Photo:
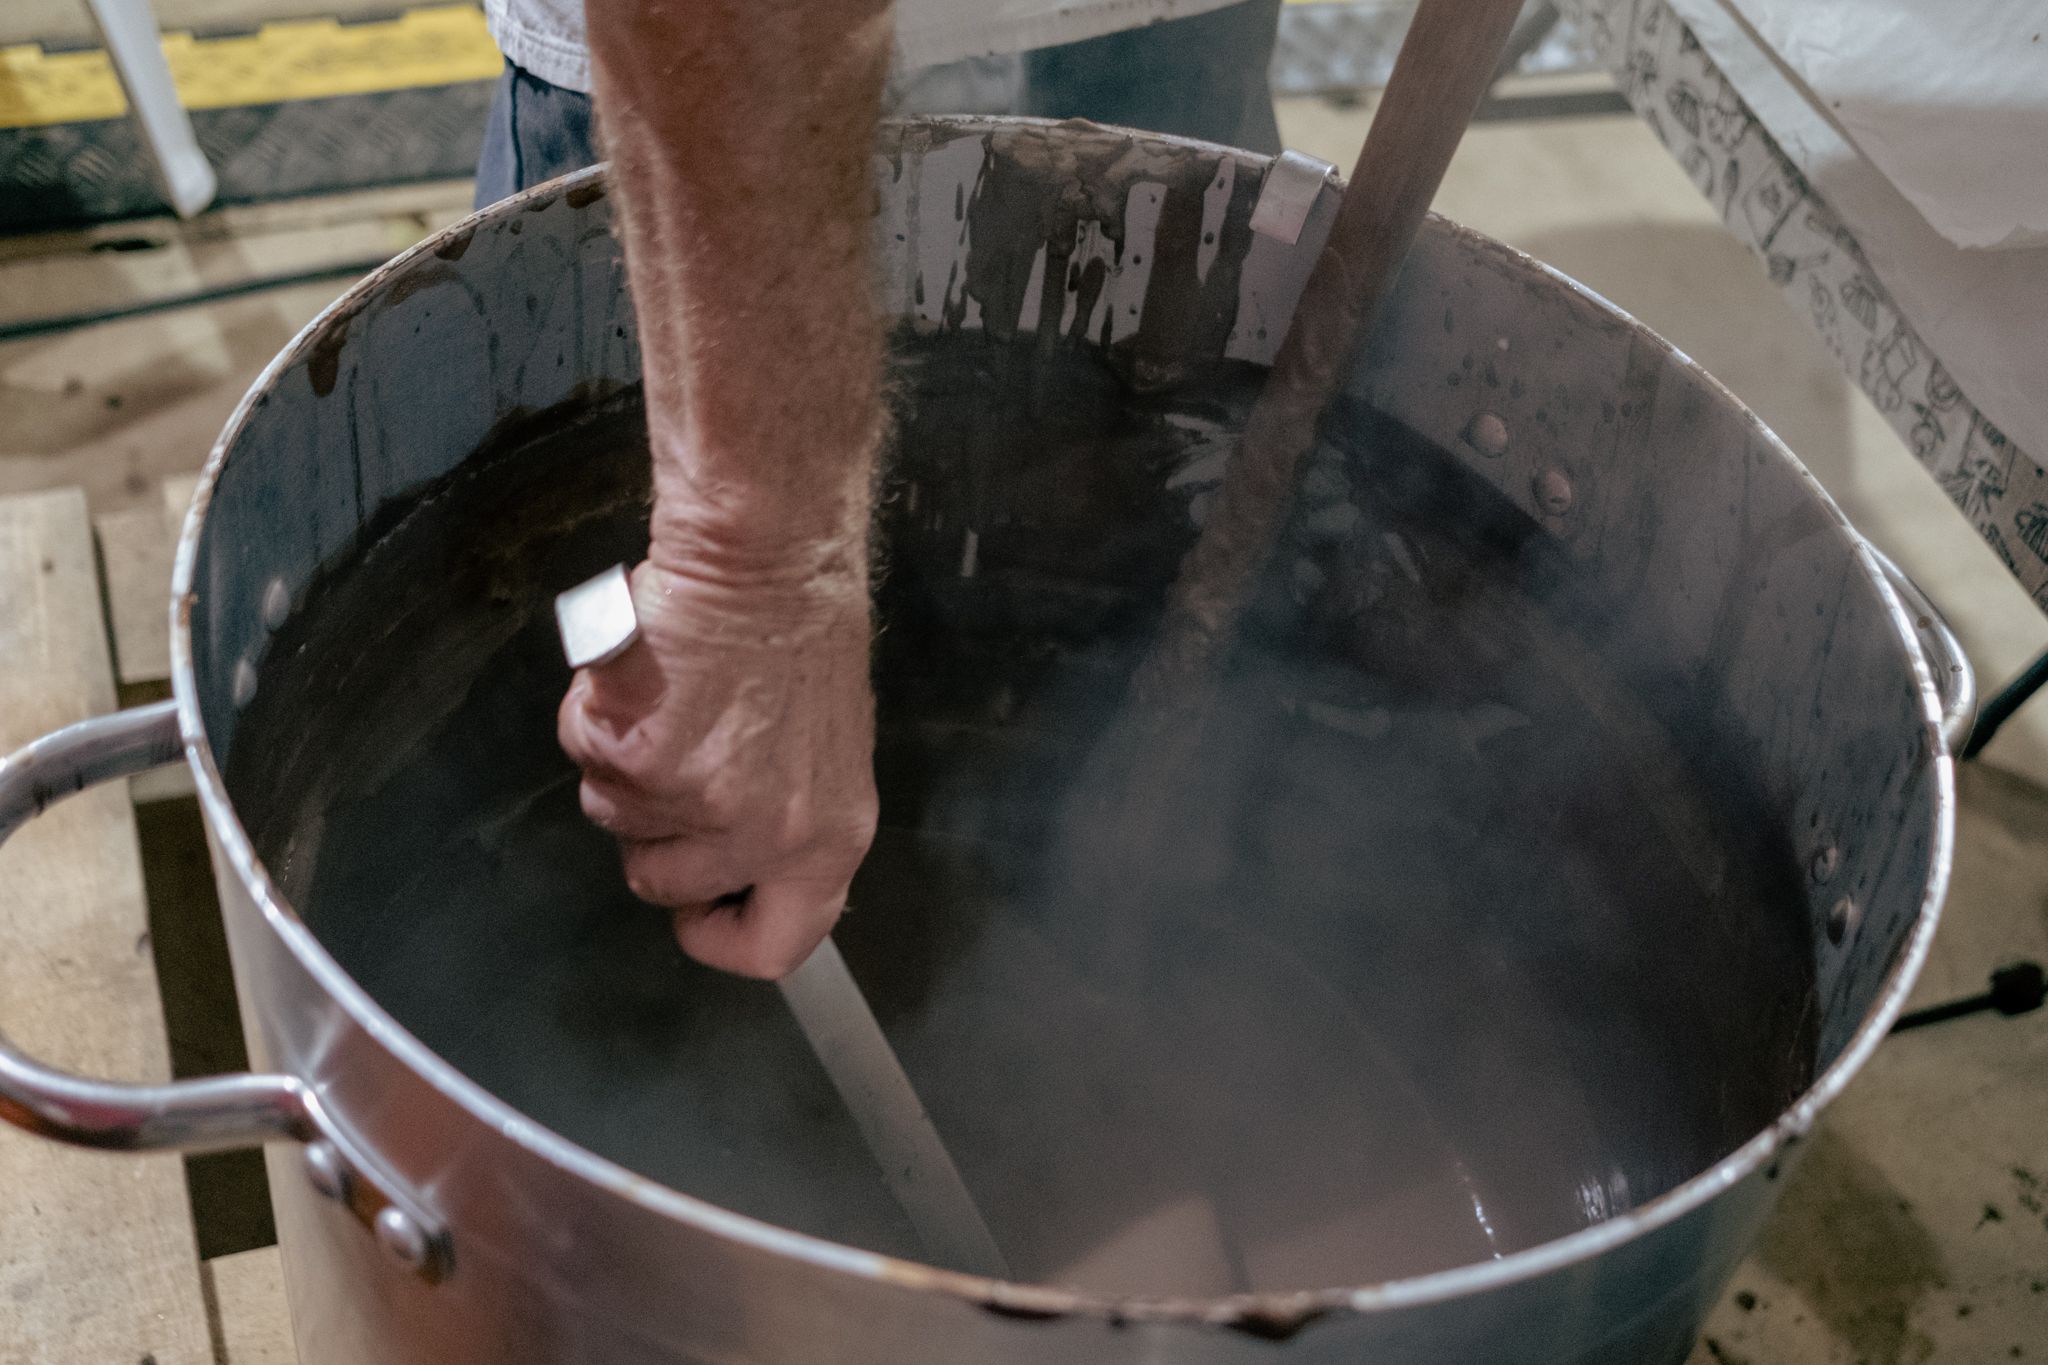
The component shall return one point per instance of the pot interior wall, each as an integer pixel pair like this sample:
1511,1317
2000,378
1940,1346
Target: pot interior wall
1445,944
1489,916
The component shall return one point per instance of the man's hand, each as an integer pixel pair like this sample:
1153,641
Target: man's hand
730,750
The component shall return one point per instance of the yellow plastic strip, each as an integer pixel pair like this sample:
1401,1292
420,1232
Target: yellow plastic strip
300,59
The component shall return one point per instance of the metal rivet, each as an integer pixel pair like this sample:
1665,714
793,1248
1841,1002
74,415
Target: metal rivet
1841,919
1488,435
1553,492
326,1171
1824,863
404,1238
277,603
243,688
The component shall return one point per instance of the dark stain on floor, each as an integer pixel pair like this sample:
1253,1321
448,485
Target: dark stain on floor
1845,1239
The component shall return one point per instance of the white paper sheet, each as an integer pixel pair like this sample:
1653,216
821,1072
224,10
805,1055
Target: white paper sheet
1984,313
1947,98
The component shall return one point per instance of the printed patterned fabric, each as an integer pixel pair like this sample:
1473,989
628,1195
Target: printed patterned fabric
1813,257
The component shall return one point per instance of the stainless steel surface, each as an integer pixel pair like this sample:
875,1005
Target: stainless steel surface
326,1171
213,1113
84,755
1293,183
192,1116
1954,679
399,1233
1681,504
855,1053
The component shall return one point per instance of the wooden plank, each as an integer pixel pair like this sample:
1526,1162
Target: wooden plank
421,200
137,262
113,408
136,546
98,1261
247,1289
135,553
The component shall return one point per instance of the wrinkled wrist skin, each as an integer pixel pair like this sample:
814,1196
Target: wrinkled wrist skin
730,750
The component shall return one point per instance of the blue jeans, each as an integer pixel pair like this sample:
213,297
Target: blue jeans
1203,77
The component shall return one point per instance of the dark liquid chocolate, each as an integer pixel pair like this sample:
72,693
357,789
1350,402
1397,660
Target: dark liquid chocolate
1472,938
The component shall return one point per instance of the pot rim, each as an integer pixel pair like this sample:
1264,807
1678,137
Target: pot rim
1274,1311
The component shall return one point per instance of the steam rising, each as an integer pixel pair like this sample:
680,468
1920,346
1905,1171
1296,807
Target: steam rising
1432,934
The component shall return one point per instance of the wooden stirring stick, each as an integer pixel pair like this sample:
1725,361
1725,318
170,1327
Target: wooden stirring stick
1447,61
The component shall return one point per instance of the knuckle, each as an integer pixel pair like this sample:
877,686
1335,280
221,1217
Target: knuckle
598,808
797,822
641,885
759,962
720,806
772,962
644,877
744,957
634,754
572,730
854,833
852,841
845,828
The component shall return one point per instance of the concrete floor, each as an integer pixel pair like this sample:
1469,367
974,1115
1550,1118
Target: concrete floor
1916,1226
1915,1229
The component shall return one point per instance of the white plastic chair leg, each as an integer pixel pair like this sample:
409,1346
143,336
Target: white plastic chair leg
128,27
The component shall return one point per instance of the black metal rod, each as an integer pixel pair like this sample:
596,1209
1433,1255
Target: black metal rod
1941,1014
2008,700
2018,989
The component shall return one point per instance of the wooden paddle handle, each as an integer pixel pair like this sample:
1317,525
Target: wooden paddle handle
1447,61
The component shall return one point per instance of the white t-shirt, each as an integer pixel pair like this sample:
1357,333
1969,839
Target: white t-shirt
546,36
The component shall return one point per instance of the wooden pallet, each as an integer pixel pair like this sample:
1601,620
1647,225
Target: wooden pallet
99,1261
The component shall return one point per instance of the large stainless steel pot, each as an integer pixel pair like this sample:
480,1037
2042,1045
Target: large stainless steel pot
424,1220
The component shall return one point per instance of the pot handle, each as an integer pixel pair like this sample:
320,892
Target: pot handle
209,1113
1954,680
188,1116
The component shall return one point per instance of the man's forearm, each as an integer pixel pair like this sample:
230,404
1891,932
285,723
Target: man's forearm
740,133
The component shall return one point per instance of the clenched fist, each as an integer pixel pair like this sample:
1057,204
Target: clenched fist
731,748
731,751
